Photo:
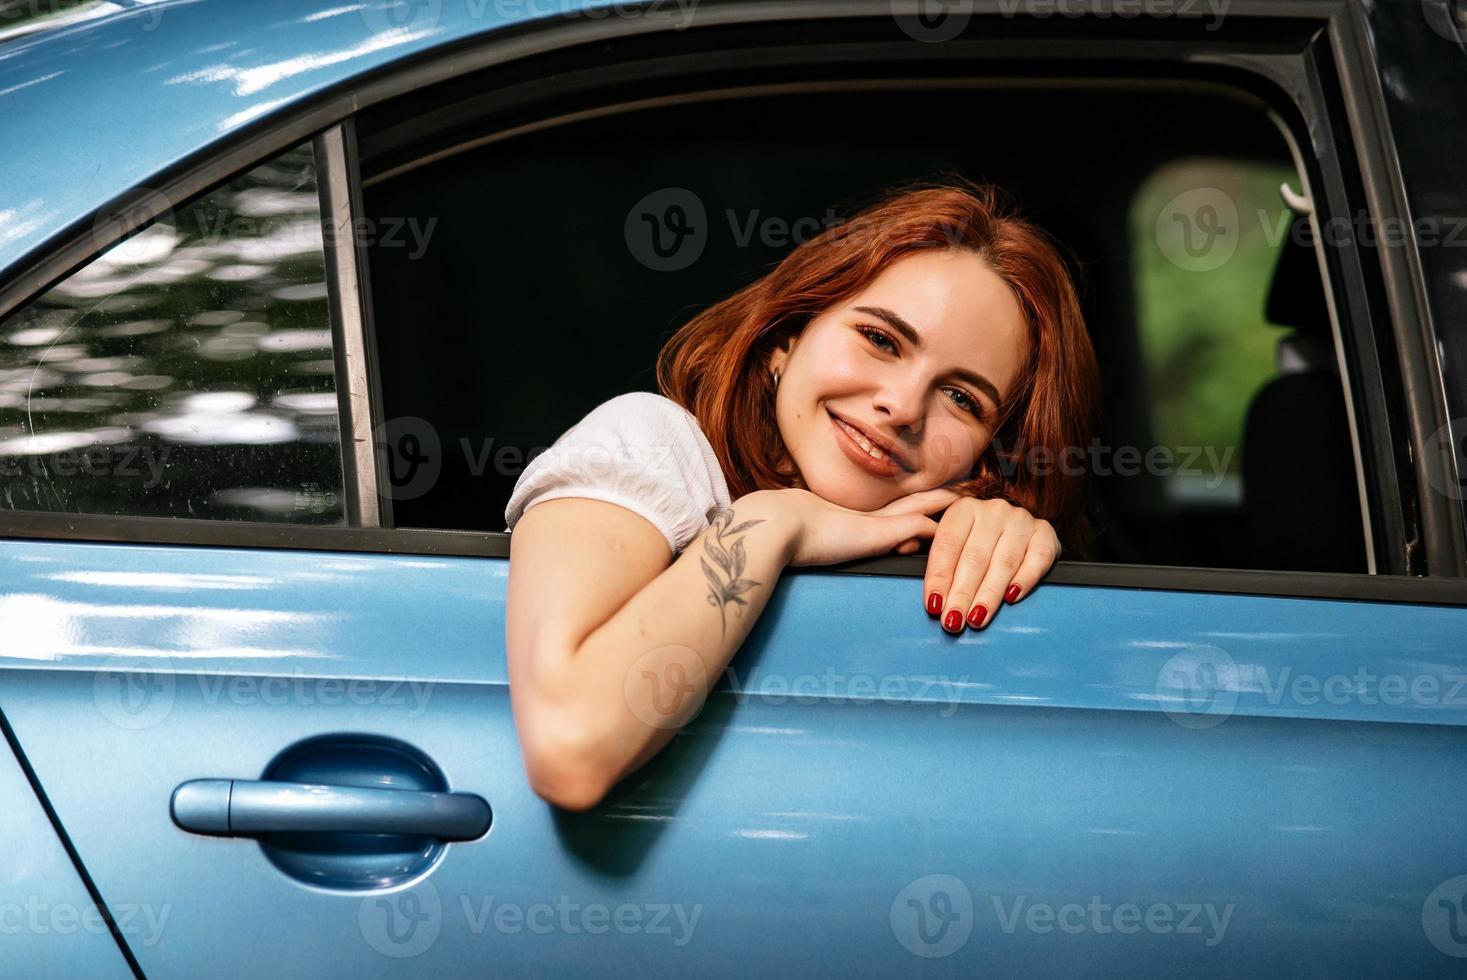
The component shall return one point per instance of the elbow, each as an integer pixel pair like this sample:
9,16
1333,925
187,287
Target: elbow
567,785
567,769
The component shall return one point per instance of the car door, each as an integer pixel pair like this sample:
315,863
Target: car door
50,923
1207,781
1209,769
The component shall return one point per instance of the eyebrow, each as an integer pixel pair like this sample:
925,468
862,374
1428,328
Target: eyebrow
904,328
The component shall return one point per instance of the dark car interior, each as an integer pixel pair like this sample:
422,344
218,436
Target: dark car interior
527,307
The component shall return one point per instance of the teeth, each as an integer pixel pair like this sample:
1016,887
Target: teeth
864,443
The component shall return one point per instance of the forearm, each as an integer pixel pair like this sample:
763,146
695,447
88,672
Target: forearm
641,675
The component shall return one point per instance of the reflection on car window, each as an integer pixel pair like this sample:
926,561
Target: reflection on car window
187,371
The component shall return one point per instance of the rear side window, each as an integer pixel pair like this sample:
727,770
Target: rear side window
1241,368
1207,233
185,372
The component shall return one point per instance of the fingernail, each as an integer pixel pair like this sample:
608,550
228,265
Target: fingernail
953,622
976,617
1012,594
934,603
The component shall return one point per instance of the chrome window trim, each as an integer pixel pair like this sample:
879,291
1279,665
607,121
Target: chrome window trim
1337,333
348,332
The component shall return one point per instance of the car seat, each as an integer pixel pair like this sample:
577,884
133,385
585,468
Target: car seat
1301,501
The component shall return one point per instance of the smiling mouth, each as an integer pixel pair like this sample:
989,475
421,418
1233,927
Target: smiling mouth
870,447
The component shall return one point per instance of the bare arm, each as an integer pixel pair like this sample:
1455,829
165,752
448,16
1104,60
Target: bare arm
612,644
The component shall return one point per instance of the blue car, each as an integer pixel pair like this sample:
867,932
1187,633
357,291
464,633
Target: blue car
291,292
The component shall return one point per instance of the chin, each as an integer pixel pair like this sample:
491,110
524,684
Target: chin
852,491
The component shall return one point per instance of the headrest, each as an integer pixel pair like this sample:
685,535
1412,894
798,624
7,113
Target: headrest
1296,297
1299,352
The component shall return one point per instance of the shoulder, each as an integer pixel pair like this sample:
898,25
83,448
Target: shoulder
642,421
641,411
640,450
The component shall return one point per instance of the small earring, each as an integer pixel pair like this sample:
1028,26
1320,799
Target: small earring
776,377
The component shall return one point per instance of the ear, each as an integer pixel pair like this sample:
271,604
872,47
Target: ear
781,355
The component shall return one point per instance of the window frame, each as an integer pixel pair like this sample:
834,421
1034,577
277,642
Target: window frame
1326,91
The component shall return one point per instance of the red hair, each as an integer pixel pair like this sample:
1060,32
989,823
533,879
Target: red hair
716,365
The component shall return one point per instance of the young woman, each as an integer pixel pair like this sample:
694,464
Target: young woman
927,355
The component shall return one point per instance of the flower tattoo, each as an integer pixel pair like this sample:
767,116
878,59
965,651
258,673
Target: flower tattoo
730,558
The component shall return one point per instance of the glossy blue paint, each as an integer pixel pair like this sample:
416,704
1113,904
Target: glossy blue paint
106,105
49,925
1075,749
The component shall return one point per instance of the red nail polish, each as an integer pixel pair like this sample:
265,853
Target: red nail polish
934,603
976,617
1012,594
953,621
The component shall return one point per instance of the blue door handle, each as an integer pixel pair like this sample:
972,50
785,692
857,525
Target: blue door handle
245,807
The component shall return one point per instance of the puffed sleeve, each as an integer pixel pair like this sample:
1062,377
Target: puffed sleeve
640,450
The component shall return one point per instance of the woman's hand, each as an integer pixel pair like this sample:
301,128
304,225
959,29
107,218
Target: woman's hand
985,551
827,534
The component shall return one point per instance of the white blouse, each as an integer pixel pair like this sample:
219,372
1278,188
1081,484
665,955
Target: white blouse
640,450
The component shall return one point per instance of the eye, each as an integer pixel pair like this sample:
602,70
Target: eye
968,404
874,335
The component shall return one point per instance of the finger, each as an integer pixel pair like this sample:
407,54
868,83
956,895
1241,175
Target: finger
881,535
942,558
926,502
972,566
1003,567
914,544
1044,551
911,535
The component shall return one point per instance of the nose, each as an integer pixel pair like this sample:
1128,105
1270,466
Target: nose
901,400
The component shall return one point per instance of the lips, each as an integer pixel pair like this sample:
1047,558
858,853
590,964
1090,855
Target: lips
894,460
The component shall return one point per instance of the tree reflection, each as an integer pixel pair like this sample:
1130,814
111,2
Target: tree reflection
187,371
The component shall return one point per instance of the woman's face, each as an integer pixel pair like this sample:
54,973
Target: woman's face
920,360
